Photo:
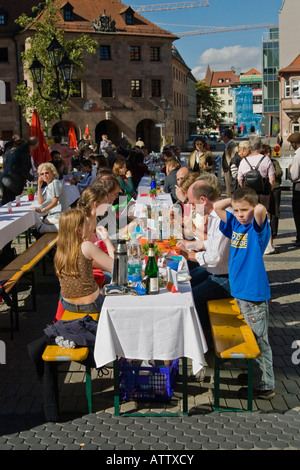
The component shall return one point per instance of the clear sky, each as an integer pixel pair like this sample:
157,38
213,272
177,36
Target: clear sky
221,51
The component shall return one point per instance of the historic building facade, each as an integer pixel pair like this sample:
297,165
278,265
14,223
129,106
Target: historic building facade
126,87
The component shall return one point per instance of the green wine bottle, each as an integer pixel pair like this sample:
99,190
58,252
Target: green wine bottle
151,271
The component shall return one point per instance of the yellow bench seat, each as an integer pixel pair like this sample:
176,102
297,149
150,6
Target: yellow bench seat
233,339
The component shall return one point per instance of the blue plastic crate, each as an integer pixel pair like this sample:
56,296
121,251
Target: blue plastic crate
147,383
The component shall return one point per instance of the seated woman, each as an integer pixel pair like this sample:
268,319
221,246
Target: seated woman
73,263
136,166
52,199
201,159
124,177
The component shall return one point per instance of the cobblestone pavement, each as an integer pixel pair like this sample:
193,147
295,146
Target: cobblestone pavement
273,424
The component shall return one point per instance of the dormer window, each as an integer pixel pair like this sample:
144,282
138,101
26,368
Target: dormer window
128,15
68,12
129,18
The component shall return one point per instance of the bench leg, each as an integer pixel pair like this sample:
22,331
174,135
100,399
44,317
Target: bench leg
250,384
88,386
217,383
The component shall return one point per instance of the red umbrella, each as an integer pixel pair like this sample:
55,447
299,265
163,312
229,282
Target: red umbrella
41,154
72,136
87,129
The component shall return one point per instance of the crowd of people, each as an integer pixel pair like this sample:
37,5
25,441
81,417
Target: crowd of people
224,240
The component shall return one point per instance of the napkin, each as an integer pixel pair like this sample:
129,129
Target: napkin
172,282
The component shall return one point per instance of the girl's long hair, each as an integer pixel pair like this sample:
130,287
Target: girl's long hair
118,165
69,242
89,196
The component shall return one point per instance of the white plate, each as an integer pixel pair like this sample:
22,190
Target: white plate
183,277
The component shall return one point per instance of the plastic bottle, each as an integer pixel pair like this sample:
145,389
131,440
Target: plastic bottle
153,182
134,252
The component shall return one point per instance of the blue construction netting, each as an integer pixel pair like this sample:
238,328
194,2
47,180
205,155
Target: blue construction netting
246,120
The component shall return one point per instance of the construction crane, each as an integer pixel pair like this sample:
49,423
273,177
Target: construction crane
170,6
222,29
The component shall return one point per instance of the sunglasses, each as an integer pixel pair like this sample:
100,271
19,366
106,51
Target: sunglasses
45,173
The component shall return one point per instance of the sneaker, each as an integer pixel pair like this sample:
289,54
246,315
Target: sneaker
270,251
263,394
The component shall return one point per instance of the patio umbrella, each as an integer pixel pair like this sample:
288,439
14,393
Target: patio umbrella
41,154
72,136
87,129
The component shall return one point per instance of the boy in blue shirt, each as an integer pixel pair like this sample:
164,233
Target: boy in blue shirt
249,232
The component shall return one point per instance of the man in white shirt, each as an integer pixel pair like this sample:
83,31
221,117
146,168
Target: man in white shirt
210,279
294,169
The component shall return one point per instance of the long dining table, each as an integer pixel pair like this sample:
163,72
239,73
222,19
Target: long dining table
158,327
18,221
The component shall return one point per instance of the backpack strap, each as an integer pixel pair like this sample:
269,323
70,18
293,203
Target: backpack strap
259,162
249,163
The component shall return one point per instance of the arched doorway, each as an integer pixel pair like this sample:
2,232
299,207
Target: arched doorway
110,129
150,134
62,129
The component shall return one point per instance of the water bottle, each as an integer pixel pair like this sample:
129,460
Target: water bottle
120,270
134,252
153,182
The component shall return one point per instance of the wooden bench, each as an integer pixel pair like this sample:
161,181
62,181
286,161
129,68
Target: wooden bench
24,264
56,354
233,339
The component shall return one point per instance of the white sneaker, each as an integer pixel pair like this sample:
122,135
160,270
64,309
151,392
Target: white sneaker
270,251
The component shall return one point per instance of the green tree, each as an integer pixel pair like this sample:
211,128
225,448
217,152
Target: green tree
44,26
208,106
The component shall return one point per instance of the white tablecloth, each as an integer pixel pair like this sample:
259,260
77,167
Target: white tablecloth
21,219
161,327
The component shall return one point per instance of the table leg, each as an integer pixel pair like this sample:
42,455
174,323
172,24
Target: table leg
184,387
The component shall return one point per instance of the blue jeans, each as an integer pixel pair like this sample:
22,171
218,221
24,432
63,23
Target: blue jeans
93,307
207,286
256,315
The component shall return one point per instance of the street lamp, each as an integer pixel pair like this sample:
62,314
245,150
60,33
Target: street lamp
167,111
63,67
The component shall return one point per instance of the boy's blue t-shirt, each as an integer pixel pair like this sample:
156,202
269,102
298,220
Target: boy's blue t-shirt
247,275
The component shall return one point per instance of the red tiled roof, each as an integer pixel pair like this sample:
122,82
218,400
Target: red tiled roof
226,75
252,72
293,67
85,11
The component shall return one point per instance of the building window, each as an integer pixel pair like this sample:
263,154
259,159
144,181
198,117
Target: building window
136,88
129,18
155,54
287,89
7,92
106,88
76,88
155,88
222,91
135,53
68,14
3,17
220,80
229,102
105,53
296,88
3,54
